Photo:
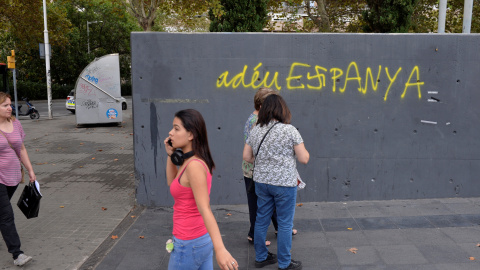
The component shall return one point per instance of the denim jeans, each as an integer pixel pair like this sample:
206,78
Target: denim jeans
7,221
195,254
252,207
283,199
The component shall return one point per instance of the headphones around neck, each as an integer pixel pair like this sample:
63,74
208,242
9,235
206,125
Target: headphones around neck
178,157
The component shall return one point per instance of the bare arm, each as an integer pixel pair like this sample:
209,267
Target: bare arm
170,168
248,154
26,162
302,154
196,177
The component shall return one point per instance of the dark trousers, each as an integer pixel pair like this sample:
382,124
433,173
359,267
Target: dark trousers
252,206
7,221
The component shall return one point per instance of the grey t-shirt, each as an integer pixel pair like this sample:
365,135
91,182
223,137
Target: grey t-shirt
275,163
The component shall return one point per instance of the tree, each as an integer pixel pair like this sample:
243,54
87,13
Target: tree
318,15
388,16
145,11
239,16
184,16
21,28
70,56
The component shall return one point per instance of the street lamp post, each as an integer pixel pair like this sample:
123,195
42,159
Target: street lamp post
47,62
88,33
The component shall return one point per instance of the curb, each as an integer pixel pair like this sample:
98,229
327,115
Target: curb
102,250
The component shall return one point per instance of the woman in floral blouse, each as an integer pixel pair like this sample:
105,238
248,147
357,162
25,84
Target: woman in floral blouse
275,177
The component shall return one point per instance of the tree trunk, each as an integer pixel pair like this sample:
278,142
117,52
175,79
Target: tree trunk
320,17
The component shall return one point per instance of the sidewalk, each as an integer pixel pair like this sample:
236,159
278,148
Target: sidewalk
86,175
87,182
440,234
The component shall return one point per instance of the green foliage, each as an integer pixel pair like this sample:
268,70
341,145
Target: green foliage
239,16
68,59
388,16
37,90
183,16
425,17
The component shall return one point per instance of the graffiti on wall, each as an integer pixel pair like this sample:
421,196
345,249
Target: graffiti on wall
317,77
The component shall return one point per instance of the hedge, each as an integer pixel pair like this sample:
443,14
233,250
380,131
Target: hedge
38,91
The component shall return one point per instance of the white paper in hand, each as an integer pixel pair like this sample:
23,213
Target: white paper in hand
37,185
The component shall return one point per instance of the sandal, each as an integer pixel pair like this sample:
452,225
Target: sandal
294,232
250,240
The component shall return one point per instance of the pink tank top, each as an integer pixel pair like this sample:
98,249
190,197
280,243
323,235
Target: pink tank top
187,222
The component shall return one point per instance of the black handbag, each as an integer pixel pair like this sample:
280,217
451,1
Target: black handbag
251,186
29,201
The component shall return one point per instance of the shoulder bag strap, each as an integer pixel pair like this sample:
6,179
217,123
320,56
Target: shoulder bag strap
10,144
258,149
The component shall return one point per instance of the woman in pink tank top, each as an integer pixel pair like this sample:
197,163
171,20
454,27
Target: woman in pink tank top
195,230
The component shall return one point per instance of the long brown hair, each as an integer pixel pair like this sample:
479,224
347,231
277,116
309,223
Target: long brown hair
3,97
193,122
274,107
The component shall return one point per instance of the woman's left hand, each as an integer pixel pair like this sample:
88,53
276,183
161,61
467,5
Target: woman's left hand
225,260
32,176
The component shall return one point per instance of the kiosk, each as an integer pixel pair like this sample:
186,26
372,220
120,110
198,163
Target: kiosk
97,92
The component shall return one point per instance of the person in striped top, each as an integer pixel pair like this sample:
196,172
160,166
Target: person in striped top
12,152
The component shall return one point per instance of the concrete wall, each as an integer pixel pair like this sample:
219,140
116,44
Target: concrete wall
383,116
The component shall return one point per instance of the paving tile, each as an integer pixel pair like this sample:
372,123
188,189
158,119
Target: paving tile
339,224
398,210
310,240
427,236
401,254
458,266
307,225
441,221
464,208
316,258
366,255
411,222
362,211
446,253
413,267
387,237
462,235
377,223
332,210
346,239
434,208
366,267
472,249
474,218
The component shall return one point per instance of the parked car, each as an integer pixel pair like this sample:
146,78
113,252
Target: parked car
70,104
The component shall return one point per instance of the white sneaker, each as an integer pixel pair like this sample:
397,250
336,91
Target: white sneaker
22,259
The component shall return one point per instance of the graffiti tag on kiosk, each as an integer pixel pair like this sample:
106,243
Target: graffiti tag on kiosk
91,79
90,104
317,76
86,89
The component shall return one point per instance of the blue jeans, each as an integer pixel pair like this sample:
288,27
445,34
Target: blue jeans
195,254
252,207
283,199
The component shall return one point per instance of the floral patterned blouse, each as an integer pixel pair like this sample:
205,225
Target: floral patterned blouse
275,163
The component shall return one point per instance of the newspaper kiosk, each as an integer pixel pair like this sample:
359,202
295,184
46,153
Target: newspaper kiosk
97,92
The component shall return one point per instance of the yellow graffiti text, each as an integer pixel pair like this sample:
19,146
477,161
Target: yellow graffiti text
239,79
417,83
317,79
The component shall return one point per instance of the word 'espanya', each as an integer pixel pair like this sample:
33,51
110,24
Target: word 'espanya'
316,80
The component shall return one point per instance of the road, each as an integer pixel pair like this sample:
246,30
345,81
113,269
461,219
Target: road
58,107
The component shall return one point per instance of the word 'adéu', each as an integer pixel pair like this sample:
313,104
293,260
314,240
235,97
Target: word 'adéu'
316,78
